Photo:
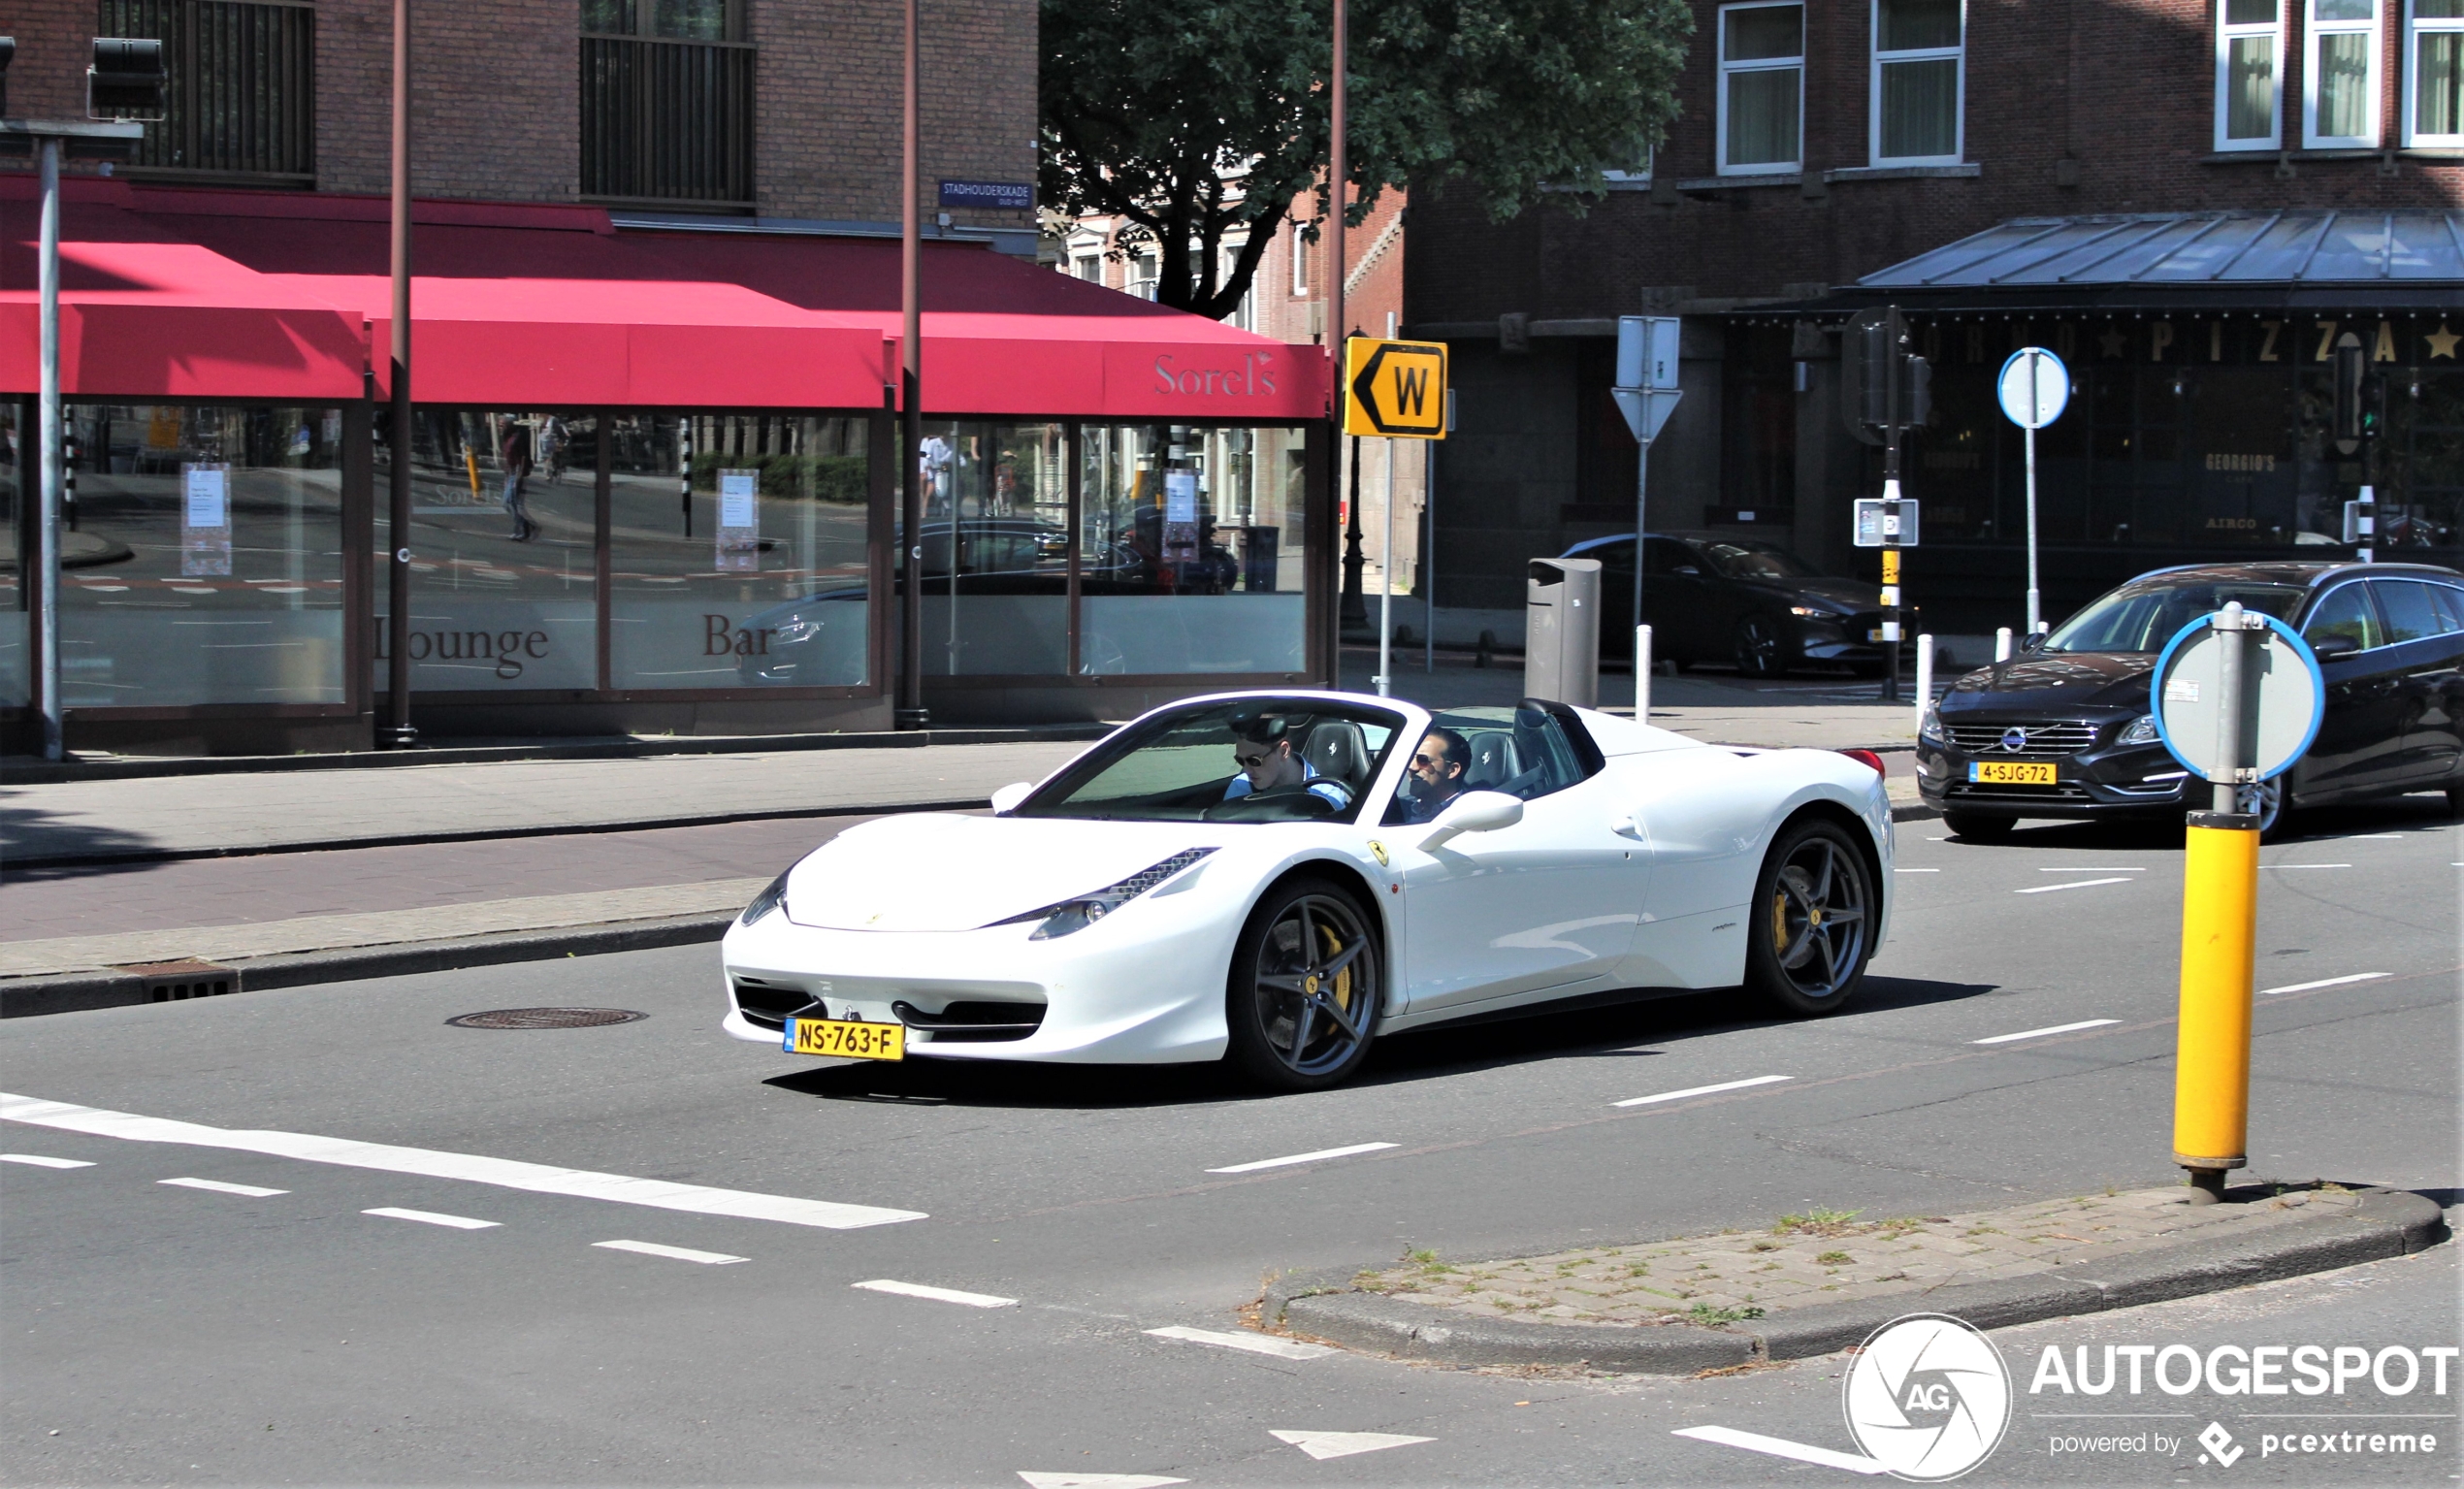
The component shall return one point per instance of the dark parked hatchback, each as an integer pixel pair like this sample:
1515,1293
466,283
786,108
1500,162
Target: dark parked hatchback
2064,729
1709,598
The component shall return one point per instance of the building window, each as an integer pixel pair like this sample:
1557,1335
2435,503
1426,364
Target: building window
2250,85
1146,274
2434,73
1761,88
242,94
667,103
2340,103
1088,267
1640,173
1244,315
1300,264
1917,55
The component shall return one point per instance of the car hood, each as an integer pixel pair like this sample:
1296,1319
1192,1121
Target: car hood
937,871
2057,683
1850,595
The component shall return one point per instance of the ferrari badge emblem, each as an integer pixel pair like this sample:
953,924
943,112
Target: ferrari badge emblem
1378,848
1310,986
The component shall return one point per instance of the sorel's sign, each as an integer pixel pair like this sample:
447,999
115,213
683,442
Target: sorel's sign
1253,378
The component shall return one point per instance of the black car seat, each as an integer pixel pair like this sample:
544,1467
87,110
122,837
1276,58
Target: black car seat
1496,760
1337,749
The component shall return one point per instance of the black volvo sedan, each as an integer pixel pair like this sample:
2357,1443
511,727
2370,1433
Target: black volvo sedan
2064,729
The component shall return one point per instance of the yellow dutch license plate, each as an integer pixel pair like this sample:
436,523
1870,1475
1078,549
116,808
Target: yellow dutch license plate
846,1039
1874,634
2001,772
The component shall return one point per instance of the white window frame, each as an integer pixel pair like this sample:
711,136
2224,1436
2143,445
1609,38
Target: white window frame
2375,107
2414,29
1720,123
1874,107
1244,316
1146,274
2226,34
1300,264
1650,154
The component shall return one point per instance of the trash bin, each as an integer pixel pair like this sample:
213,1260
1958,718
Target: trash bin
1561,631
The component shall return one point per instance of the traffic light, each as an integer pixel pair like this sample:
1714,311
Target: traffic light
1882,355
126,80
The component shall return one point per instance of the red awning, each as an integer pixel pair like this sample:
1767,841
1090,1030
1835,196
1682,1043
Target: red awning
144,313
527,306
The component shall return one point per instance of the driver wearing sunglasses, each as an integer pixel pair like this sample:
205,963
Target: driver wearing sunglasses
1436,773
1270,760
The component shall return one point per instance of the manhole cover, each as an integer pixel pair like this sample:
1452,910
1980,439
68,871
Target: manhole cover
545,1018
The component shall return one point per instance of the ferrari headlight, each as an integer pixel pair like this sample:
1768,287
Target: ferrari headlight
1930,727
773,898
2142,731
1071,915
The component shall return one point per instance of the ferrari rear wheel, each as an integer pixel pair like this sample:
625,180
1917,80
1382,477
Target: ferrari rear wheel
1303,1000
1812,924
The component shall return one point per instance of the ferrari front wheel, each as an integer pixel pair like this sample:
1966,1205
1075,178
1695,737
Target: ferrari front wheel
1812,920
1303,1000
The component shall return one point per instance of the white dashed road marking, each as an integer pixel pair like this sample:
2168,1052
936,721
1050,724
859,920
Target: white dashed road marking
1254,1343
219,1188
671,1252
2325,982
1781,1447
936,1294
42,1162
1700,1091
1342,1444
1916,871
2310,865
2083,883
505,1172
1323,1153
2058,1028
2098,868
431,1217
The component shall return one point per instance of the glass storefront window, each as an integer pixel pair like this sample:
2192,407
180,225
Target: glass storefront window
205,566
995,540
1191,544
756,576
503,551
14,561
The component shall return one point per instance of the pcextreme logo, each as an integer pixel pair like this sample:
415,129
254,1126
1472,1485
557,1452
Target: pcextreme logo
1929,1398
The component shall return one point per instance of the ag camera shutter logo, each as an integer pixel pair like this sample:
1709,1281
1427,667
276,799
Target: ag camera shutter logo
1929,1398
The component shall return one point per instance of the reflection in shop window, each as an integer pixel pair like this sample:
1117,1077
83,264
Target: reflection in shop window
1190,549
995,541
14,557
751,575
503,551
206,562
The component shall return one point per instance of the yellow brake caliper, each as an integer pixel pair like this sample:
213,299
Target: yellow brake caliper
1343,979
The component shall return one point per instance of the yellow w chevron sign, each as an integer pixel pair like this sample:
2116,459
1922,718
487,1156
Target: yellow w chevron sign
1394,388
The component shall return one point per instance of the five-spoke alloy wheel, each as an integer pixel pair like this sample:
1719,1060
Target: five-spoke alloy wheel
1303,1001
1812,919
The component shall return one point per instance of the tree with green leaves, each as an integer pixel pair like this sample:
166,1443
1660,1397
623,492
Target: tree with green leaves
1197,118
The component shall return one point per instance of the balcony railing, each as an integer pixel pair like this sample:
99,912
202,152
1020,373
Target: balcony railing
666,123
242,95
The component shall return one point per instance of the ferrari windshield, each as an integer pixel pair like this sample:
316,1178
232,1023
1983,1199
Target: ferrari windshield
1250,760
2144,614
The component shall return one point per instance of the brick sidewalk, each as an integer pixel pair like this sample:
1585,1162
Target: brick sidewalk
1828,1257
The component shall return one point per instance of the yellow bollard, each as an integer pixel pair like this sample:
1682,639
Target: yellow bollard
2219,924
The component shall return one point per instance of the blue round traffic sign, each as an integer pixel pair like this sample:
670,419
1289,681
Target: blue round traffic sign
2034,387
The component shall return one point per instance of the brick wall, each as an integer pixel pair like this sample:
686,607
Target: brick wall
2122,88
496,97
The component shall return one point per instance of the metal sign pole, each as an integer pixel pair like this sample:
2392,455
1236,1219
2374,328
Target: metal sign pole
48,522
1386,583
1643,632
1890,522
2035,619
1429,555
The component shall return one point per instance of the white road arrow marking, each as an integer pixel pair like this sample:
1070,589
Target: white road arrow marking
1098,1480
1342,1444
1781,1447
1254,1343
936,1294
505,1172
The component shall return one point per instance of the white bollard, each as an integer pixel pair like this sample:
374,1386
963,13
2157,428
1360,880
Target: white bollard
1924,676
2002,643
1643,674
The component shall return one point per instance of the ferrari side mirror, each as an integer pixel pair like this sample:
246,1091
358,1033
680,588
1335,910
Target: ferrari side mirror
1474,810
1007,798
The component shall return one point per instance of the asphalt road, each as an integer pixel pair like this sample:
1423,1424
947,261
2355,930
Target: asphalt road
164,1331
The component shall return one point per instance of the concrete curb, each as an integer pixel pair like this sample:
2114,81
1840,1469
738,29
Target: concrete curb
22,770
25,998
1328,1305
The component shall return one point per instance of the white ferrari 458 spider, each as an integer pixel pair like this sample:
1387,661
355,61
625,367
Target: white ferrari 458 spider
1282,877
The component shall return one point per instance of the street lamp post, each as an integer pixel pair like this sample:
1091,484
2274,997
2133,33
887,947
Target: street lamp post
910,710
109,135
402,437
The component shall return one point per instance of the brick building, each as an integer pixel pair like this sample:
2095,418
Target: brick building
2210,183
654,457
